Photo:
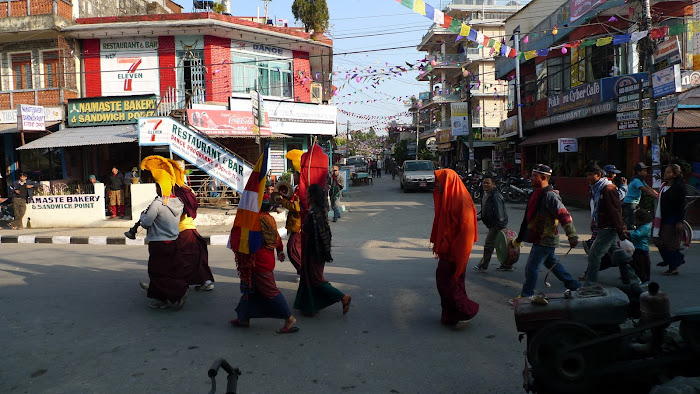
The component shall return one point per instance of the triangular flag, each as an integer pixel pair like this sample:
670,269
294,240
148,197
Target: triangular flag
246,236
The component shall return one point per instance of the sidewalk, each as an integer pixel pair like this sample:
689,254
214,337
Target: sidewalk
213,224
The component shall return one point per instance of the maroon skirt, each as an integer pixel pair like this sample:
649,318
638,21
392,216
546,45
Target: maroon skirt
165,272
194,257
456,305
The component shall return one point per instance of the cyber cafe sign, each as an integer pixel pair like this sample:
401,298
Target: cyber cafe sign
690,79
579,96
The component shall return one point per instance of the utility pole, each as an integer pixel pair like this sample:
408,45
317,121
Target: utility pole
417,133
516,34
347,139
469,126
266,3
654,138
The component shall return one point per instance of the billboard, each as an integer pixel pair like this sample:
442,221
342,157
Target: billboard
129,66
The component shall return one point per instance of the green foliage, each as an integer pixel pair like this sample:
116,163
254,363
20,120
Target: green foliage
287,176
401,152
218,8
312,13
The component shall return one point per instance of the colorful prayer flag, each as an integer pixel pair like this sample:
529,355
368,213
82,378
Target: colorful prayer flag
446,22
542,52
465,29
472,35
429,11
407,3
419,7
603,41
587,43
513,53
455,25
246,236
659,32
638,35
497,46
530,55
490,43
622,38
677,29
438,17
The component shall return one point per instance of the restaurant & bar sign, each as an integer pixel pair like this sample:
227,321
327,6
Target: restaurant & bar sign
114,110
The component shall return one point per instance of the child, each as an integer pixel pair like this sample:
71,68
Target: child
640,238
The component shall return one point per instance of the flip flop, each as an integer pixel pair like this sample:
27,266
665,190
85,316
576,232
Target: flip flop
290,330
237,323
12,226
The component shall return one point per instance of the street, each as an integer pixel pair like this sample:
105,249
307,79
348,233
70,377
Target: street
76,321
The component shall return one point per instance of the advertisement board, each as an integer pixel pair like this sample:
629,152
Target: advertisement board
579,96
199,151
30,118
567,145
668,52
129,66
579,8
666,81
224,123
51,114
109,110
460,120
294,118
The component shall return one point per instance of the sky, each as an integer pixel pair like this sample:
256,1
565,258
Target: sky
360,25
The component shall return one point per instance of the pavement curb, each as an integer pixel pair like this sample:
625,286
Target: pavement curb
214,239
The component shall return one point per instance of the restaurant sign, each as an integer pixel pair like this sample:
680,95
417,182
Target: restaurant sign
109,110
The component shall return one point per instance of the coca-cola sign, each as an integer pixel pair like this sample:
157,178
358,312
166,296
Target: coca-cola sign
224,123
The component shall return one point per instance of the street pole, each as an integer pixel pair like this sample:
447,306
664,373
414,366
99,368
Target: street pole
654,138
641,121
417,133
347,139
516,34
469,126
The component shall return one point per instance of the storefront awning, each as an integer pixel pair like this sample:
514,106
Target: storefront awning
683,120
83,136
583,129
11,128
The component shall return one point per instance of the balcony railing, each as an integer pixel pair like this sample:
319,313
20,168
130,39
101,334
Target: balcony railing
179,99
432,127
449,59
443,96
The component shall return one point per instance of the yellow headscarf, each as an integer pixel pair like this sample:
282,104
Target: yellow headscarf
162,172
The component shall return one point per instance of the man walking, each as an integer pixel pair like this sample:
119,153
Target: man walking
606,213
543,214
336,187
611,172
493,214
22,191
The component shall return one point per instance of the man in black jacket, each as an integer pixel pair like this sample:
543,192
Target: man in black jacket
22,191
493,214
115,192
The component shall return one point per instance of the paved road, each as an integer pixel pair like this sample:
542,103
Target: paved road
75,321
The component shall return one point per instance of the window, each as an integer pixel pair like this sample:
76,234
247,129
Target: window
273,76
601,61
476,116
51,74
22,70
541,70
511,95
557,75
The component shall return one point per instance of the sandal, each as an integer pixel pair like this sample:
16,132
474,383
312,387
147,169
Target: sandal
290,330
12,226
237,323
670,272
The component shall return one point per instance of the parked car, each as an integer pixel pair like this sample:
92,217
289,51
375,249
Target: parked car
361,165
417,175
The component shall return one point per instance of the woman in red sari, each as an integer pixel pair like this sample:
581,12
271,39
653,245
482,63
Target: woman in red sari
260,296
453,235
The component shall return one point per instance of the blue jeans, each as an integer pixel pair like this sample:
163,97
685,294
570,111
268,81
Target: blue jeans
605,242
335,208
545,254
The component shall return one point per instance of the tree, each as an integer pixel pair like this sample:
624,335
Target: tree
312,13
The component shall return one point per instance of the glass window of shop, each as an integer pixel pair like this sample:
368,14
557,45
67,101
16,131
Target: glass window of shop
273,76
541,71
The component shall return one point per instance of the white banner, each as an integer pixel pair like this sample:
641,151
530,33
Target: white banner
189,145
51,114
129,66
30,118
294,118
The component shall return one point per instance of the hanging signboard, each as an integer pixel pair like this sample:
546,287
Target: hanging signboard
567,145
667,81
109,110
30,118
191,146
666,105
51,114
460,121
579,96
668,52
